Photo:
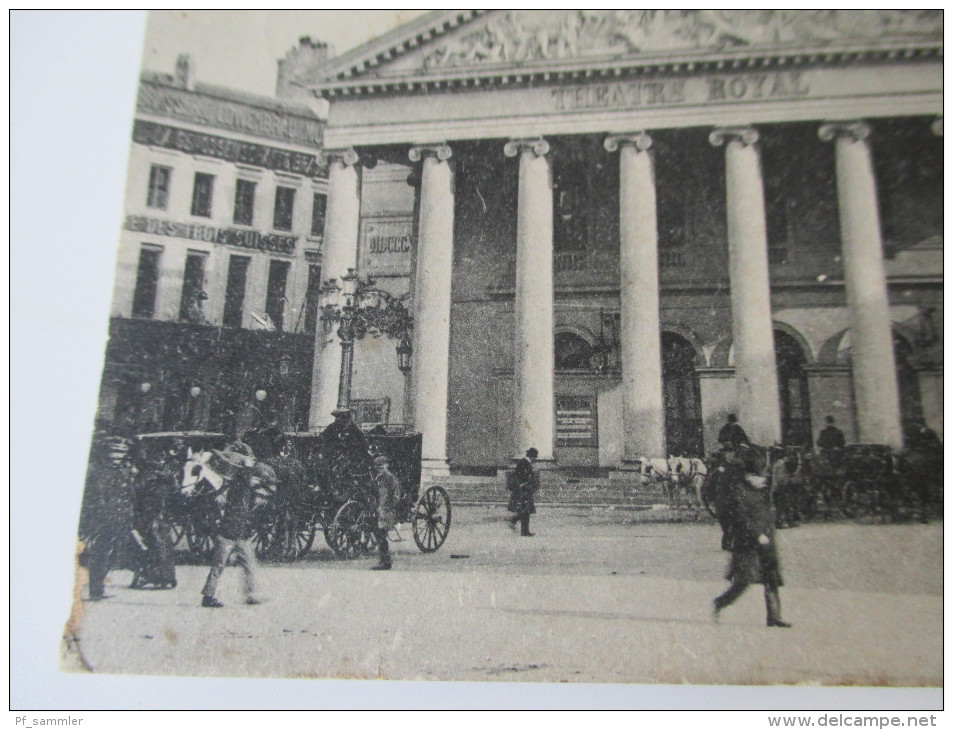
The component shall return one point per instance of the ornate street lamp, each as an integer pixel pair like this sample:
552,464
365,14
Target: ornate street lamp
359,309
404,352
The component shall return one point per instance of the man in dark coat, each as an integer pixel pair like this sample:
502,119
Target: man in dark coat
346,462
159,469
754,557
106,519
524,485
830,436
732,434
924,466
236,528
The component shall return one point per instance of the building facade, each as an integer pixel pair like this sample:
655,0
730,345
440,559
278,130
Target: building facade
219,265
617,227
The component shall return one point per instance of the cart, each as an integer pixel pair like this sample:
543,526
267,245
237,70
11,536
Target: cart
871,486
326,482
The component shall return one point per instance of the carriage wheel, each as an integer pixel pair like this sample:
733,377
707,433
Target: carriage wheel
431,519
352,532
284,537
177,534
200,540
849,499
808,499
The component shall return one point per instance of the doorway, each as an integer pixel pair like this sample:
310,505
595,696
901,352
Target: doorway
682,396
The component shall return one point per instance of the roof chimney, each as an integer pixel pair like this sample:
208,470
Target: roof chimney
300,65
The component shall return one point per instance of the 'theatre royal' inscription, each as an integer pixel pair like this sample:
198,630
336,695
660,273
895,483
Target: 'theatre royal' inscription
271,243
667,92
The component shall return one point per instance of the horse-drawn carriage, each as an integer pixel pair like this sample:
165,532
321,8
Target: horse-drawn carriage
856,481
324,481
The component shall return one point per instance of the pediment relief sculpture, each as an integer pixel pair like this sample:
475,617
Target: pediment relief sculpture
526,36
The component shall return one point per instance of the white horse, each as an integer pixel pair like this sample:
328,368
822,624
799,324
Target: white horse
676,474
198,475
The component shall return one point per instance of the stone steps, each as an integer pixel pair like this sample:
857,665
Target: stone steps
632,491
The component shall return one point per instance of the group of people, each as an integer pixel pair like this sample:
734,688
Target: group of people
125,517
124,500
750,505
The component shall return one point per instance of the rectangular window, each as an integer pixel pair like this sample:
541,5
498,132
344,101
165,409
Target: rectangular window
235,290
284,208
312,298
191,305
147,281
275,300
244,202
159,179
202,195
319,209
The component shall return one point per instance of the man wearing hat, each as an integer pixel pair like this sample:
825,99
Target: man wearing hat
525,483
387,490
732,435
754,557
106,520
242,475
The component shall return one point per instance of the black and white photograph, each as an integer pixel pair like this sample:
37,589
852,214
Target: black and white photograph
522,347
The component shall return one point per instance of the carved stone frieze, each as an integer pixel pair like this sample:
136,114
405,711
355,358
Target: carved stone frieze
520,36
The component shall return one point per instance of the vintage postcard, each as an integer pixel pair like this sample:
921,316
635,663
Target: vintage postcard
566,346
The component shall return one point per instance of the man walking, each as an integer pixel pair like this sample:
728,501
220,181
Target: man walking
525,483
754,558
243,476
387,490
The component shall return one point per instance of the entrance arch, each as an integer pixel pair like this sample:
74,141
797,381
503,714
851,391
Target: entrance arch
682,394
908,381
792,390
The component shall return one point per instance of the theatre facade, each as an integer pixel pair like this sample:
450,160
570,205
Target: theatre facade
616,227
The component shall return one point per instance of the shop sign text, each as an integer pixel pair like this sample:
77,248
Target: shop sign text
242,238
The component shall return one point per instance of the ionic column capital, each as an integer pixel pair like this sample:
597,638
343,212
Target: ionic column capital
747,135
539,147
640,140
856,130
936,126
440,151
347,156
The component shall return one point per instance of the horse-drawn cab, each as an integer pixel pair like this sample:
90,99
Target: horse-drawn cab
180,458
326,480
322,481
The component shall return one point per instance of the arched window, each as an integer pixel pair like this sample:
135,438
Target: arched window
792,391
683,413
572,351
908,382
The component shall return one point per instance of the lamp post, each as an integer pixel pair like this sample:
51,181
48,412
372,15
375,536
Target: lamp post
359,309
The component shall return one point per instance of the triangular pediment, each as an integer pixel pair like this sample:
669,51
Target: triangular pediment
445,43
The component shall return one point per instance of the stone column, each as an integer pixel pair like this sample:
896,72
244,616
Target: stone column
432,277
871,336
643,406
756,379
339,255
533,349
